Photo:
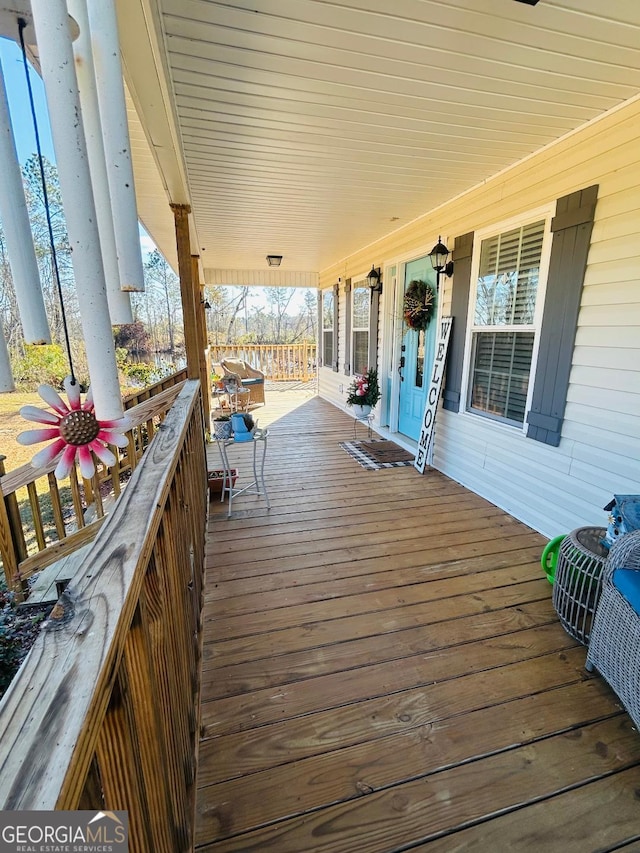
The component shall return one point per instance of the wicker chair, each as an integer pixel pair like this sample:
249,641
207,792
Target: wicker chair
614,644
250,377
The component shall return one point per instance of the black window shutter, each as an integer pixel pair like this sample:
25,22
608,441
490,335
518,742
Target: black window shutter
571,228
459,308
336,297
347,323
374,315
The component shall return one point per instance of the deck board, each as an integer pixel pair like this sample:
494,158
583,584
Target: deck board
383,670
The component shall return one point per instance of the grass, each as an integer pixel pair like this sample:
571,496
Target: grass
11,423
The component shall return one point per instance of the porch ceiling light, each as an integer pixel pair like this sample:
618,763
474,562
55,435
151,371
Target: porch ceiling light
373,280
274,260
438,256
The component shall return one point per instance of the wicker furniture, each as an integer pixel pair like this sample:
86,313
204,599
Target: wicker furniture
576,587
250,378
614,646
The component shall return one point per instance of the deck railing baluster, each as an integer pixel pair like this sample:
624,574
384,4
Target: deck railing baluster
145,409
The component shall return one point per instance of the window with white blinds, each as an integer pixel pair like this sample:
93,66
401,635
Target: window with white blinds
503,331
361,306
328,330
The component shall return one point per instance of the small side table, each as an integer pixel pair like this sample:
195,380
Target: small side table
257,486
362,419
218,394
576,587
241,400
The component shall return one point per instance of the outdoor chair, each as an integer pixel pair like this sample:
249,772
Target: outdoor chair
250,377
614,644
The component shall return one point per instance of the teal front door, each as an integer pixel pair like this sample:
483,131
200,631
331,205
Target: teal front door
416,356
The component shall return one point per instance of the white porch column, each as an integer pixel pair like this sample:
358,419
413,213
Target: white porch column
119,301
17,230
113,112
6,376
61,88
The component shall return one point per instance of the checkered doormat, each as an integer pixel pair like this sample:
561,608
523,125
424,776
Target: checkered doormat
359,451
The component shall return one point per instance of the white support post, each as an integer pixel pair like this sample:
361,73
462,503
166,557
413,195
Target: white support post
113,112
17,230
61,88
6,376
119,301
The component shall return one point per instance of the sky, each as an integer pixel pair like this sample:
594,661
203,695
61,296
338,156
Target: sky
17,95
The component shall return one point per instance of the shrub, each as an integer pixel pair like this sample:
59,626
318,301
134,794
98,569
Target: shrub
18,631
41,363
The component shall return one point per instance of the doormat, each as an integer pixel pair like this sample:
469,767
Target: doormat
378,453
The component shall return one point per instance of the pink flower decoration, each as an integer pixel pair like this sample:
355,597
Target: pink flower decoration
76,431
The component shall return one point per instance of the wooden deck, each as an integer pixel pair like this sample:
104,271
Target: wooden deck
384,671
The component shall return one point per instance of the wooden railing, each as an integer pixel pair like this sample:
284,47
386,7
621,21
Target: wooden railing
41,520
103,712
277,361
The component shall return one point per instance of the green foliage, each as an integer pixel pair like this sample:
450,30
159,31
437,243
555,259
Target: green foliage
137,373
364,390
142,374
18,630
41,364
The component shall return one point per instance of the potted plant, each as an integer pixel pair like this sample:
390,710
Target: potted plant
216,480
221,426
217,381
364,393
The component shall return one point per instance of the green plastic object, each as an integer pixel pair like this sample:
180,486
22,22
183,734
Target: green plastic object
549,557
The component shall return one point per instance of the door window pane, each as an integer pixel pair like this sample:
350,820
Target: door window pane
419,379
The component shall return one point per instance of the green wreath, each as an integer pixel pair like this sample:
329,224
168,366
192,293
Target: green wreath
418,305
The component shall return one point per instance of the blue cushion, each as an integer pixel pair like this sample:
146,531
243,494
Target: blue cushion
257,381
627,582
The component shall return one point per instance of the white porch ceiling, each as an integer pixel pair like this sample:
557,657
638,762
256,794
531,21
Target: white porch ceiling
310,128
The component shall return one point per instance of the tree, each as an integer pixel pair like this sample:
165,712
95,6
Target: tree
279,299
133,337
162,286
37,216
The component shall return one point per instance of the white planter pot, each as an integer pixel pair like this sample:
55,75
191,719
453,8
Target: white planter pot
361,411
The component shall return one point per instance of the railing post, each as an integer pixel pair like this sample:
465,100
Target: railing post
181,215
12,545
201,331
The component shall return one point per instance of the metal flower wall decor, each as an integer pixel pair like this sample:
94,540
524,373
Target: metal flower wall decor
75,429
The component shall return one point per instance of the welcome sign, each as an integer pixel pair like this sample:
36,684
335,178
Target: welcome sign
429,419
